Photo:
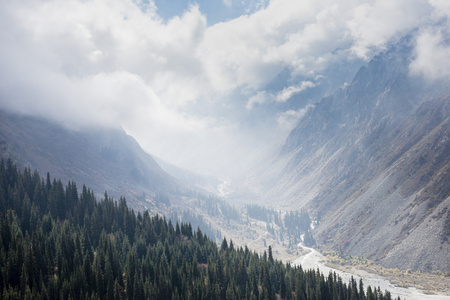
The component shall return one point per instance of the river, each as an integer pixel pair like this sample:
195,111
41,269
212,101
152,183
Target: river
314,260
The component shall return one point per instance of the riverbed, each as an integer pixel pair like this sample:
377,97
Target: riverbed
314,260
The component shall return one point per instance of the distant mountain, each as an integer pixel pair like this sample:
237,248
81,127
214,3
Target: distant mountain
372,161
103,159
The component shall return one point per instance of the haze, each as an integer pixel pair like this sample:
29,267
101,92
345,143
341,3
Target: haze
201,85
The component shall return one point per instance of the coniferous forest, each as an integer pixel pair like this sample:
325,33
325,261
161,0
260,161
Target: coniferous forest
58,242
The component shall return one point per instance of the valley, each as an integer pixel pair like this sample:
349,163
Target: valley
252,233
89,248
225,149
313,259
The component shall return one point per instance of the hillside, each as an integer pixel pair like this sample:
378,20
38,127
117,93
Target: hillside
57,243
372,163
109,160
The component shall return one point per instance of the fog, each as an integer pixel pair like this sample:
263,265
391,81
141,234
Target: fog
206,91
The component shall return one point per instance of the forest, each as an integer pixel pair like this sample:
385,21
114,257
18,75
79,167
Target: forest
292,226
58,242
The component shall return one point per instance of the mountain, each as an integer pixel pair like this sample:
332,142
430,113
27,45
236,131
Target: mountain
372,162
105,159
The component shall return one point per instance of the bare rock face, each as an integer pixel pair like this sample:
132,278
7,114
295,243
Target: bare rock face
103,159
372,162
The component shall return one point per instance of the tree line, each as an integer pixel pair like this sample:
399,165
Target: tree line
57,242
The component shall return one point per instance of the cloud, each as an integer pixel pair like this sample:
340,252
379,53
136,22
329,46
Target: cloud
251,50
181,84
104,63
263,97
288,92
84,53
432,57
260,98
432,49
305,37
290,118
373,23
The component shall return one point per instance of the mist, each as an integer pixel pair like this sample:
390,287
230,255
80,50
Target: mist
208,92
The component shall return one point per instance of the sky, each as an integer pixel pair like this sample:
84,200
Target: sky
201,84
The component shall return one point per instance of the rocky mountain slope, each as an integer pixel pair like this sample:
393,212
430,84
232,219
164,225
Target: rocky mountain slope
103,159
372,162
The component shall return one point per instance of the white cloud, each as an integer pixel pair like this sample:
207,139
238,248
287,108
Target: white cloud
249,51
432,49
284,95
103,63
441,8
117,63
260,98
288,119
432,58
303,36
102,39
288,92
374,23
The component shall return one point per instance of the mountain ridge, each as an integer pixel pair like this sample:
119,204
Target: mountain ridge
372,162
106,159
